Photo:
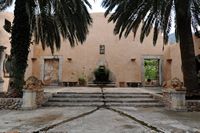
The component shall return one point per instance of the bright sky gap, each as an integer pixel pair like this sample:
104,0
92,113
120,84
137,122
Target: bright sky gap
96,6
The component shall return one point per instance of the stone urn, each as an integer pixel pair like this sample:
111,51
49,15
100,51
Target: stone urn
174,95
177,85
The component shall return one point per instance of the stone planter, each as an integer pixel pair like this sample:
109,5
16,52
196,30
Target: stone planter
29,99
32,99
40,97
33,95
174,100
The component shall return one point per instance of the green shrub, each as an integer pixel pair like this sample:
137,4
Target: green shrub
101,74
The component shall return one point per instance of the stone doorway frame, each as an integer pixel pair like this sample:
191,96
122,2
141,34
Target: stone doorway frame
60,60
158,57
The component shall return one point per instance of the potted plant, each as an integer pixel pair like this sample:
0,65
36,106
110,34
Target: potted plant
82,81
101,74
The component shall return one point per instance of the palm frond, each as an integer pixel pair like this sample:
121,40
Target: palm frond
195,12
4,4
67,18
47,32
166,21
129,14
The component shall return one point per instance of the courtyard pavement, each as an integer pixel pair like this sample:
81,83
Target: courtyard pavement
99,119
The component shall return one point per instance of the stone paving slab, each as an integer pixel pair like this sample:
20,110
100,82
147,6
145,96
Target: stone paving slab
101,121
133,90
167,121
29,121
54,89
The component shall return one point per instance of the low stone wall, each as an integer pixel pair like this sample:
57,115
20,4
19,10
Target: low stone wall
193,105
47,95
158,97
42,97
166,99
10,103
39,98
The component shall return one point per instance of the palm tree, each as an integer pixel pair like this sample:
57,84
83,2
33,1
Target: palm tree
158,15
47,20
4,4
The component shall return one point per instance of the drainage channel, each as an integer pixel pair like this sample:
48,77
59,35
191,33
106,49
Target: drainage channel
103,96
136,120
127,115
143,123
44,129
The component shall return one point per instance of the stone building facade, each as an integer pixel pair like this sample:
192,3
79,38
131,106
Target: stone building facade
125,58
4,49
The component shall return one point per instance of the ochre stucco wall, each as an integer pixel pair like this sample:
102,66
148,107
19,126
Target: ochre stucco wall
4,41
173,52
118,53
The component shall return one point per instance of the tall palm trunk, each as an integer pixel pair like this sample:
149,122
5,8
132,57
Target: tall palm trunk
20,42
187,47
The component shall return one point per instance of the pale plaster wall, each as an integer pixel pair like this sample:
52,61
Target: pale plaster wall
167,62
173,52
176,70
4,41
118,53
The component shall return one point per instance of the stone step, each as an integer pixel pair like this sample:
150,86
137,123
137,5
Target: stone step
81,93
130,100
77,95
100,95
132,96
98,99
122,93
71,104
96,94
156,104
106,93
55,99
121,100
112,84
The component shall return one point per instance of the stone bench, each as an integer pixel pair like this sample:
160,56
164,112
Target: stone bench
70,83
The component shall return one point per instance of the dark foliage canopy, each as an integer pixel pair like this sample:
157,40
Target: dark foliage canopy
4,4
48,21
51,19
158,15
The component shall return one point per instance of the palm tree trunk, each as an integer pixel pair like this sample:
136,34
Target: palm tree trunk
20,42
187,48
